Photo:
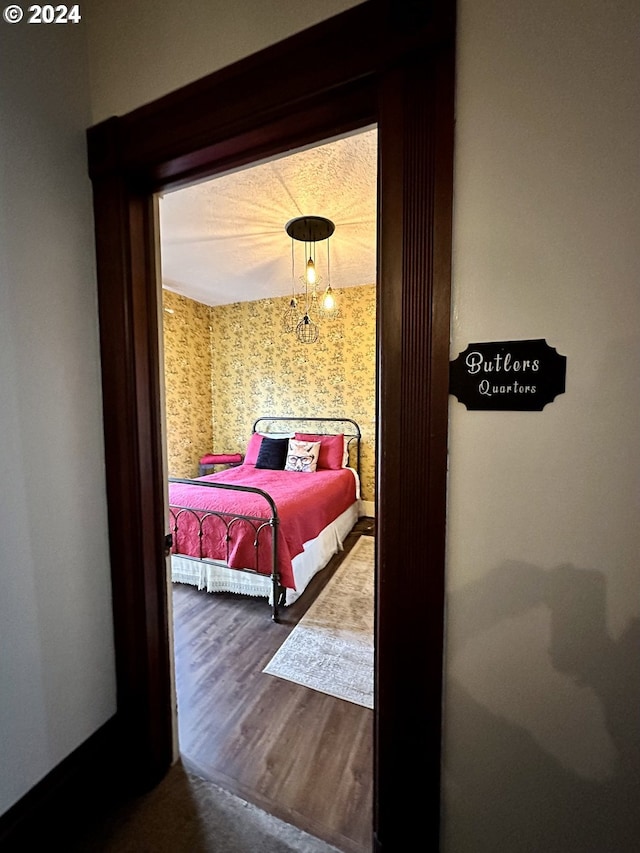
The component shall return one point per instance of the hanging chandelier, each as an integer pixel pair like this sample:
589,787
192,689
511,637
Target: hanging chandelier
304,311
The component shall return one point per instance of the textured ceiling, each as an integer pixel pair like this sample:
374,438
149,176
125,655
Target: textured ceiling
224,240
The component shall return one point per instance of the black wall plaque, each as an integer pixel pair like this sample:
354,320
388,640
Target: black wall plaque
508,375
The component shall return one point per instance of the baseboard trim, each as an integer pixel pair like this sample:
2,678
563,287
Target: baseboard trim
367,508
79,781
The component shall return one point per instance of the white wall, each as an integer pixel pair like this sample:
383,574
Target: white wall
542,690
542,739
57,682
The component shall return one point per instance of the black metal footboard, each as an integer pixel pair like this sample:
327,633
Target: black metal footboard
231,520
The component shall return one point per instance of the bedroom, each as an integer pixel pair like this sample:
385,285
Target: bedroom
228,361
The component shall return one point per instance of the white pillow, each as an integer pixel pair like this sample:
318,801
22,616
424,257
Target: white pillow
277,434
302,456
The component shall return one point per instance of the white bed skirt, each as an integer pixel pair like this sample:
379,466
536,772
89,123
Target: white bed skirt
216,577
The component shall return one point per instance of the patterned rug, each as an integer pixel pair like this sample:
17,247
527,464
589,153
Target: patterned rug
331,648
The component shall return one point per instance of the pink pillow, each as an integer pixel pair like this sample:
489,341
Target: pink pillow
331,448
253,448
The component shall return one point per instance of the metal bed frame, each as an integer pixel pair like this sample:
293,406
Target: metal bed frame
258,523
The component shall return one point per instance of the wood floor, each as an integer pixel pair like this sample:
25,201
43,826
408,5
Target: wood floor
301,755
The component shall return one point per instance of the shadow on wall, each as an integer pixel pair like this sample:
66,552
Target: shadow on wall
544,754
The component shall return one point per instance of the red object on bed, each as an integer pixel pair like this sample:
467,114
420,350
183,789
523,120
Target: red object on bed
253,448
306,504
331,448
220,458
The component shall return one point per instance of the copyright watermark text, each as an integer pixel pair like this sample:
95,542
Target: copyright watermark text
47,14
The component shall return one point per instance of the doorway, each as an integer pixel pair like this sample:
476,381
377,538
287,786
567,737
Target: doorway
392,68
301,754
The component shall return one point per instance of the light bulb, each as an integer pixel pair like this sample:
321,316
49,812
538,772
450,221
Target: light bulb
328,301
311,272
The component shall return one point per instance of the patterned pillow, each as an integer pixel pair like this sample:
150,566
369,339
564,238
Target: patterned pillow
302,456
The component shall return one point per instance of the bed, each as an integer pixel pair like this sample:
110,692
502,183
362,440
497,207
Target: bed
261,529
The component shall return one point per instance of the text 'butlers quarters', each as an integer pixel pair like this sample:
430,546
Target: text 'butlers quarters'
508,375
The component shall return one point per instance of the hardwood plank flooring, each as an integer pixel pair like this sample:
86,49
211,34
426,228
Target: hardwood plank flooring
298,754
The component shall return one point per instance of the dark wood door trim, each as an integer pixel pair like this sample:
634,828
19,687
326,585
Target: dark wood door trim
416,162
385,62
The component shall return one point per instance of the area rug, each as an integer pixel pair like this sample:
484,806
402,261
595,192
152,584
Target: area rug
331,648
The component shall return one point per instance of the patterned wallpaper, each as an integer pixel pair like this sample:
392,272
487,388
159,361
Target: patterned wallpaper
187,369
258,369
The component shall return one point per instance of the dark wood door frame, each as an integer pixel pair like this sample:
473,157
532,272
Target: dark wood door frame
390,63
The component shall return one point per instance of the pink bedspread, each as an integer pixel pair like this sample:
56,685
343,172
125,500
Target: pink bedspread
306,503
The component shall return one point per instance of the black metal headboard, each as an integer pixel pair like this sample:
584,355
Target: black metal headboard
283,423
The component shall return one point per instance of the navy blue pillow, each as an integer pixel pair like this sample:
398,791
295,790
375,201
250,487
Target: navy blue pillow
273,453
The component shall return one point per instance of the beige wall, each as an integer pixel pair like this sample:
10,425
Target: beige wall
187,372
543,560
57,675
144,49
